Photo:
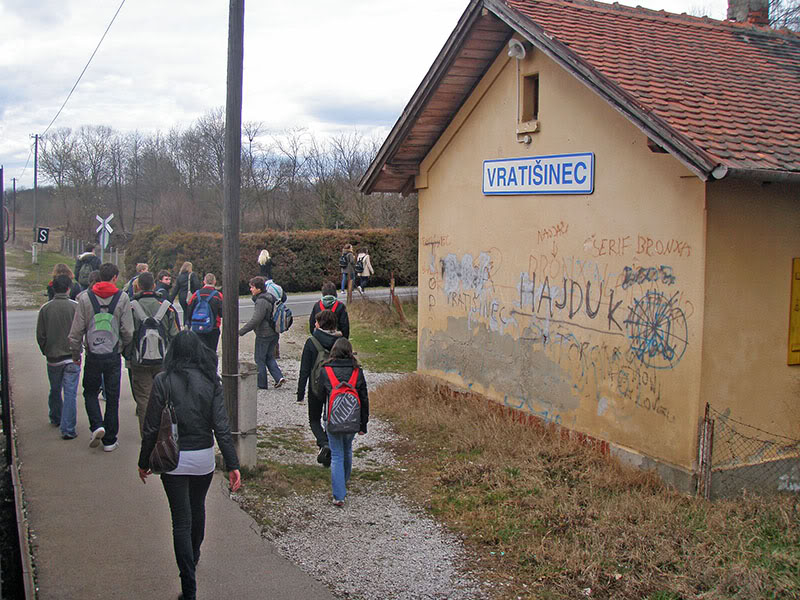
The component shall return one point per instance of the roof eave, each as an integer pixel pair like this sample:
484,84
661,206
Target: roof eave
771,175
694,158
426,87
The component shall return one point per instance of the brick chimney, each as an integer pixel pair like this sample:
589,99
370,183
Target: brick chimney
749,11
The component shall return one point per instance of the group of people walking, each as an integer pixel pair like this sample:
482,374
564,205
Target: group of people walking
355,268
89,322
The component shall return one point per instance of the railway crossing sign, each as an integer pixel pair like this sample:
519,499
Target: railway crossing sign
104,229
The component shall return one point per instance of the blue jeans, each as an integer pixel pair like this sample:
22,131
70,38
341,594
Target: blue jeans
187,504
108,370
341,445
64,413
264,355
344,282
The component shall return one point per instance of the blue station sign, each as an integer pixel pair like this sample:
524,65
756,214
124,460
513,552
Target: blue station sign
554,174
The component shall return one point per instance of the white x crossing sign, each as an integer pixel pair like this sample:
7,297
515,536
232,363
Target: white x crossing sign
104,229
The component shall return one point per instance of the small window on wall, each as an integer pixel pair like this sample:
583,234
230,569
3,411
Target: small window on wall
530,98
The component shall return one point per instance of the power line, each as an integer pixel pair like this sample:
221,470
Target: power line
27,162
84,69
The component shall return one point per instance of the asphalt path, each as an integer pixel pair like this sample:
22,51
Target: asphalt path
22,323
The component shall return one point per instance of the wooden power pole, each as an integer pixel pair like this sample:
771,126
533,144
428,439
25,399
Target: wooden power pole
230,220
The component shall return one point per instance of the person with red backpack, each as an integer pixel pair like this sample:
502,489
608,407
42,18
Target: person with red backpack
329,302
204,312
344,389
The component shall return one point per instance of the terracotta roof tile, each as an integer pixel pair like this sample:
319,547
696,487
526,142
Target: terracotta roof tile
724,85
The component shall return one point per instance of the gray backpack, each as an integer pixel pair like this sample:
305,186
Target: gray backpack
150,340
102,332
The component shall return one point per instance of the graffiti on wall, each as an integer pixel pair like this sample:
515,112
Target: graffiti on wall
607,330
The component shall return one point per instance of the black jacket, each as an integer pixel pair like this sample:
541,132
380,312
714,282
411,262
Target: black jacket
342,320
343,368
200,409
185,281
265,270
309,357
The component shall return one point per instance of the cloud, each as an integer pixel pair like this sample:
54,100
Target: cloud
356,111
38,12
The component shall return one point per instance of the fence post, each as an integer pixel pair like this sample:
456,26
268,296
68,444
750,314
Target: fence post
706,452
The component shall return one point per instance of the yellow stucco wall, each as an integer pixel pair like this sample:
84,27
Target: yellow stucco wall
753,234
494,317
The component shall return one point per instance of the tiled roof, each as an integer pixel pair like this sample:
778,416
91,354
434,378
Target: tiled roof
732,90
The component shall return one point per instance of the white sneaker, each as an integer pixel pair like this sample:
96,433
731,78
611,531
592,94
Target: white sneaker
97,437
360,289
110,448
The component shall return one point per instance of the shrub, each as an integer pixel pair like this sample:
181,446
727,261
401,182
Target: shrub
302,260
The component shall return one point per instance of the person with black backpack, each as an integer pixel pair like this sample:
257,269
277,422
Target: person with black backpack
344,392
86,263
329,302
315,352
263,324
155,325
347,263
203,313
104,319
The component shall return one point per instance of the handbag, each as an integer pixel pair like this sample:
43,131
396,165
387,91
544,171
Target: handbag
165,454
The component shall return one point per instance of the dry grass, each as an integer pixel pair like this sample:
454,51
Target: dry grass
548,518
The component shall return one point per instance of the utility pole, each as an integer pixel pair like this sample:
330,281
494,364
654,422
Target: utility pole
35,179
14,211
230,222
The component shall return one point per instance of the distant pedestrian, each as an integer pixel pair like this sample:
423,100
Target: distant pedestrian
74,286
329,302
163,284
191,384
154,327
342,367
265,264
203,314
363,268
52,334
347,265
315,351
187,284
103,319
86,263
266,337
129,288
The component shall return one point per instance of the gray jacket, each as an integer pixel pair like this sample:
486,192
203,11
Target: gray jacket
53,326
261,321
85,313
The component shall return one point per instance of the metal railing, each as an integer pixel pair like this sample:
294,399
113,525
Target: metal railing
74,247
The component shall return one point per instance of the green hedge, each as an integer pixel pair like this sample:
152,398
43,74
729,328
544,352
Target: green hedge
302,260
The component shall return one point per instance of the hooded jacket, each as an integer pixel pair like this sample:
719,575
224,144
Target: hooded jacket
89,257
342,320
309,357
368,270
104,290
261,321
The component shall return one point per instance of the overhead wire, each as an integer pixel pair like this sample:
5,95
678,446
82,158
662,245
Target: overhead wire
84,69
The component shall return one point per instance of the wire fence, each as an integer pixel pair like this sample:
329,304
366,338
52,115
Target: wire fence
736,457
74,247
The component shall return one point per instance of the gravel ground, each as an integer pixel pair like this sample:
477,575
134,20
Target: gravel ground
16,298
378,546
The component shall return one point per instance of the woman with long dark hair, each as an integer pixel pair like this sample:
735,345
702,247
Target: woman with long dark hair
191,384
340,367
186,284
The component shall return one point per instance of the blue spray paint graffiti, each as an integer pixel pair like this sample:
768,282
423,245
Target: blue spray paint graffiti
657,330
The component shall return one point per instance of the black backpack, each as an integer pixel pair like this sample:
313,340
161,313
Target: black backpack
322,356
343,261
360,264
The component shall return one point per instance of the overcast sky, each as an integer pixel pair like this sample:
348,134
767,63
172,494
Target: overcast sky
324,65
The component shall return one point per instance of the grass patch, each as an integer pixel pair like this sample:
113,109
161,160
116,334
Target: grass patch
551,518
278,480
285,438
36,276
384,343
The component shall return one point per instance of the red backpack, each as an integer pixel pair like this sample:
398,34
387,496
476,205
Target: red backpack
343,409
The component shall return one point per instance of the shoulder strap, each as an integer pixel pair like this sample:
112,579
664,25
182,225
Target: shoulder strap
321,305
335,306
353,378
211,295
93,300
137,308
332,376
317,345
162,310
112,306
